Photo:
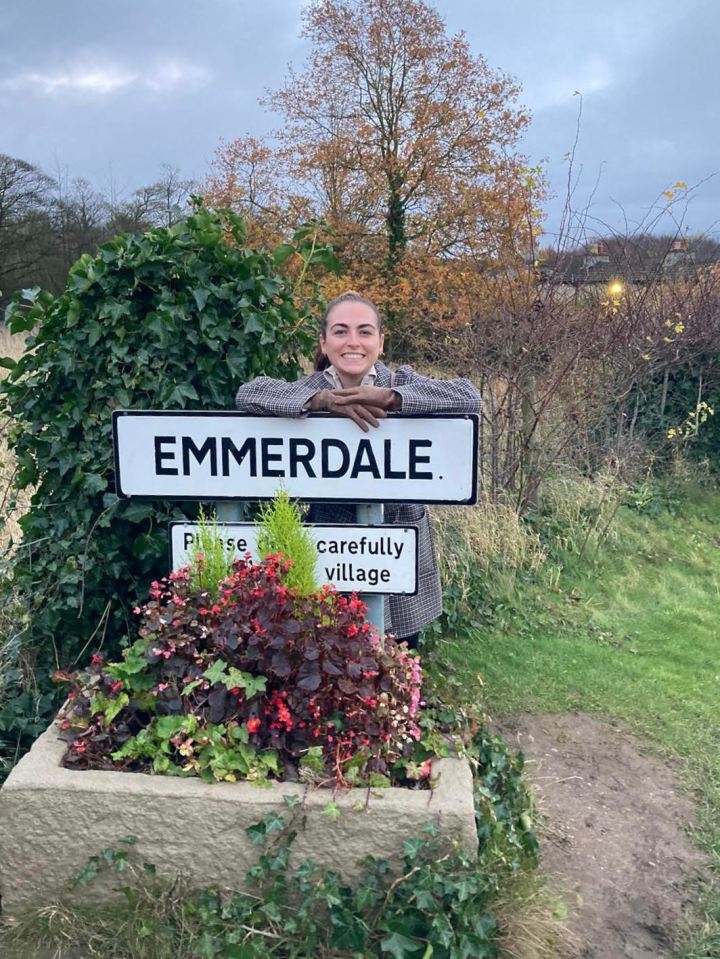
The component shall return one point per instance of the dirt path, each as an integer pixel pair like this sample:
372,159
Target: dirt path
614,839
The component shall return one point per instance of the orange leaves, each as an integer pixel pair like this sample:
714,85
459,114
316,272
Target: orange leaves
402,140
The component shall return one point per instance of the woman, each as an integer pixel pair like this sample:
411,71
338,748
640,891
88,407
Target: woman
349,380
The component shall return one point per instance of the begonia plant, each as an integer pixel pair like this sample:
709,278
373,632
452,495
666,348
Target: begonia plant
259,682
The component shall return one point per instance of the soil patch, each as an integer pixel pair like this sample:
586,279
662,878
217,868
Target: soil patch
614,837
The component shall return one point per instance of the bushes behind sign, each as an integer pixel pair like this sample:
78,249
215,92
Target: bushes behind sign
173,319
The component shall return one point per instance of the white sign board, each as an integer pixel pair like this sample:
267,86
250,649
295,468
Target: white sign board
226,455
362,559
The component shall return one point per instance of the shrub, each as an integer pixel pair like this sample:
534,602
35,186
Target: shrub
211,559
173,319
263,682
281,531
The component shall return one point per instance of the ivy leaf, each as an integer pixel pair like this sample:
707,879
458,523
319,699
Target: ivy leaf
257,833
253,324
349,931
400,947
217,673
274,823
201,297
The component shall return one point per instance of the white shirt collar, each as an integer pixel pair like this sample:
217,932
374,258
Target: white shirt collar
331,375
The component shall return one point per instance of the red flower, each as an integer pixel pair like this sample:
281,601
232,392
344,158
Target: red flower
253,724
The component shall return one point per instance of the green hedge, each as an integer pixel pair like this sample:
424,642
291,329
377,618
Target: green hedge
174,319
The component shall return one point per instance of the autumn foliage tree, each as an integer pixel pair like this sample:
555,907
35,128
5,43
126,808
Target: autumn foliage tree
404,141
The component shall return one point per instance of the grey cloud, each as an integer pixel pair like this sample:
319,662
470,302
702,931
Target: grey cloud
647,72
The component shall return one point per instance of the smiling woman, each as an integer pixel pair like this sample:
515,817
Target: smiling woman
351,381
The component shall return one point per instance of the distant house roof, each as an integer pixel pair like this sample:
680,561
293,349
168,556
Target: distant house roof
600,264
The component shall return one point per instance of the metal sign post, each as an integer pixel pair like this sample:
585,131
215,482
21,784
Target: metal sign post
371,514
229,511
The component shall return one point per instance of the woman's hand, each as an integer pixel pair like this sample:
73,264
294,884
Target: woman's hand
364,405
379,396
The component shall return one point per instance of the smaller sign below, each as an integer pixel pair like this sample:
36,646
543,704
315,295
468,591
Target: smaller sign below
354,559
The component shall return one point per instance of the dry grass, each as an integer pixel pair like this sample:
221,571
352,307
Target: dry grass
585,506
531,918
9,530
10,614
472,539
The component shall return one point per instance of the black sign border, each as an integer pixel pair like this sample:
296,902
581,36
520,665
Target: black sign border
471,501
381,526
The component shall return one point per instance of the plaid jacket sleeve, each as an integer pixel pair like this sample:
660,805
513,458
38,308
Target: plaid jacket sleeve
265,396
423,395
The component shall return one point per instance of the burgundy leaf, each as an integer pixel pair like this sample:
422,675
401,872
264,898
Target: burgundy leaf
281,665
308,676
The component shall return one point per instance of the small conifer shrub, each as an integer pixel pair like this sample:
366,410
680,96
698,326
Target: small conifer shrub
282,533
210,559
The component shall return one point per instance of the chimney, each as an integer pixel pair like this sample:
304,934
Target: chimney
596,253
679,258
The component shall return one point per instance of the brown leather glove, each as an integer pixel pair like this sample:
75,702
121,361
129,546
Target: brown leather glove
376,396
364,408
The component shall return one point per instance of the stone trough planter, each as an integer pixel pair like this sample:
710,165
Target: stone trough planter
53,819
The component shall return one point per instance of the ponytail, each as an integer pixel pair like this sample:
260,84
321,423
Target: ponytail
321,361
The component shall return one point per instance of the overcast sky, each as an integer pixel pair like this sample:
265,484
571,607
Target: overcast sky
112,90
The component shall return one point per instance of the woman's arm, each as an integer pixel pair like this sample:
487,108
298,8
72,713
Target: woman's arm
263,395
422,394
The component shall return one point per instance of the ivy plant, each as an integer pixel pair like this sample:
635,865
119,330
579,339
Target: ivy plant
173,319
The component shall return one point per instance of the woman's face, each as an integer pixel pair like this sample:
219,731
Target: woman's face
352,342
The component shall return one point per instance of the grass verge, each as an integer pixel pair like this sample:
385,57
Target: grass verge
628,630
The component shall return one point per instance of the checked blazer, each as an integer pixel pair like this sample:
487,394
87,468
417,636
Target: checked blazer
404,615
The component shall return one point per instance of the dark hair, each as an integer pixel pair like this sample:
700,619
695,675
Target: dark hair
321,360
